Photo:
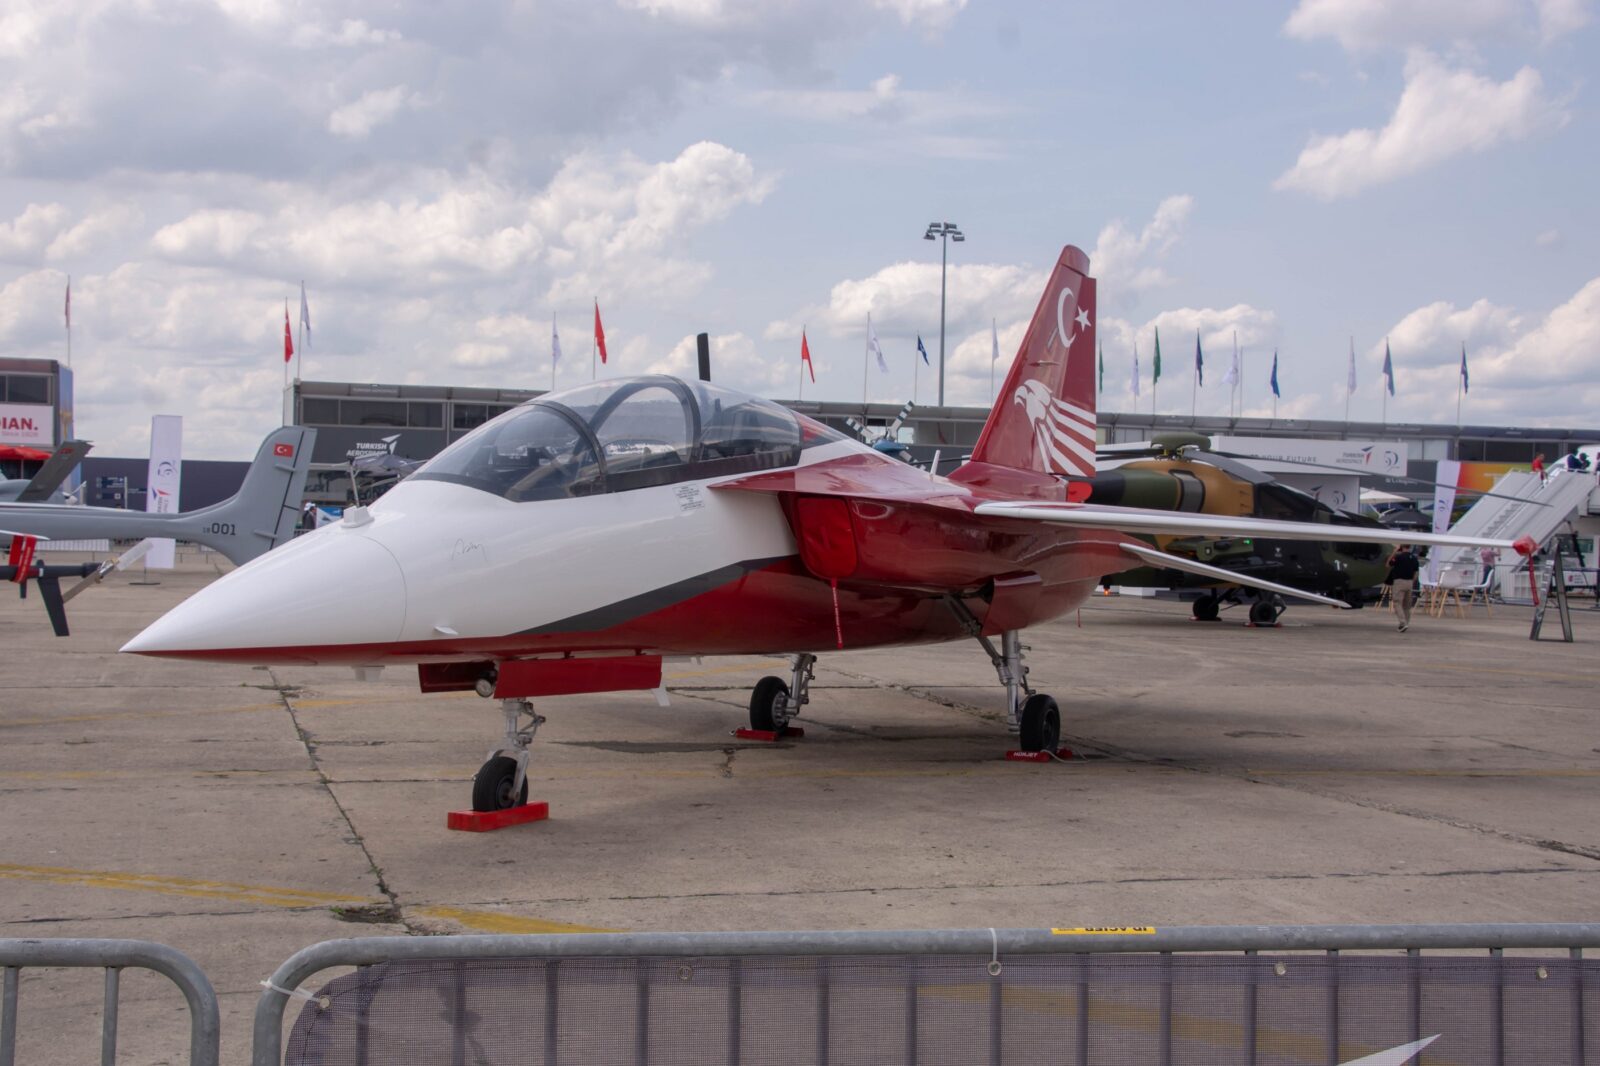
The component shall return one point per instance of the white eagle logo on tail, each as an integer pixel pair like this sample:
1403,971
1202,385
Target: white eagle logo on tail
1063,433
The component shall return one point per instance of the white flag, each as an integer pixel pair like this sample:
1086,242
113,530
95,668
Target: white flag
994,335
1135,370
1231,378
874,347
555,343
1352,383
305,320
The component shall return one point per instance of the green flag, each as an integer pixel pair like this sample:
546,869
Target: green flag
1157,376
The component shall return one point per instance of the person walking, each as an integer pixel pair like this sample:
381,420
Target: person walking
1403,567
1538,466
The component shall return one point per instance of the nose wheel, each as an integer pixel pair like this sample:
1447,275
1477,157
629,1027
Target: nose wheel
774,701
502,781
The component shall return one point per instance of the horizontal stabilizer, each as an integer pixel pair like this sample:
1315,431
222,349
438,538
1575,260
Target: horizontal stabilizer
1178,562
1179,524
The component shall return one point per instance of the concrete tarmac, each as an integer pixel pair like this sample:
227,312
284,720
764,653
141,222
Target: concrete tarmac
1329,770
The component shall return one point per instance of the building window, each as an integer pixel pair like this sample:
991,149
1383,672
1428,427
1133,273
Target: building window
24,388
427,415
315,411
468,415
372,413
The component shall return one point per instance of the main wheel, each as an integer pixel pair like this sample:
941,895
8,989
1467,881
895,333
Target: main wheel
1263,613
1041,724
1354,598
1206,608
765,713
491,788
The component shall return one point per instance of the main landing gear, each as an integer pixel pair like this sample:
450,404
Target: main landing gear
774,702
502,781
1264,610
1033,716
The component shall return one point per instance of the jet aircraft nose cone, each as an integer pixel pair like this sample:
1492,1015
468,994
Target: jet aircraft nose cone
328,589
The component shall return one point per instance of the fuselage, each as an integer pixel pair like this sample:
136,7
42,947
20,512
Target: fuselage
501,561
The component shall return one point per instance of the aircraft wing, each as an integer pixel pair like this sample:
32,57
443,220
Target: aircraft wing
1231,577
1185,524
54,472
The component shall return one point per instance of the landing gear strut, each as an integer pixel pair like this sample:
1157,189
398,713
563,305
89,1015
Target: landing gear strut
502,782
1033,716
773,702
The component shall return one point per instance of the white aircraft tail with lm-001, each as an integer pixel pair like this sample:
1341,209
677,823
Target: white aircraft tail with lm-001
260,516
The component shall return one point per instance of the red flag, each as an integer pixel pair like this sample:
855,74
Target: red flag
288,341
599,332
805,356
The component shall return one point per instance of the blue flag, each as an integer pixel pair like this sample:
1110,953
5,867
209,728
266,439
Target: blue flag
1275,391
1464,367
923,350
1199,360
1388,367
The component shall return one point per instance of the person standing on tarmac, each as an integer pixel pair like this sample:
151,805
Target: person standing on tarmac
1403,567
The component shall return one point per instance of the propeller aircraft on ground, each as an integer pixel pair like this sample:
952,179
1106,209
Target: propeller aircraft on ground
571,544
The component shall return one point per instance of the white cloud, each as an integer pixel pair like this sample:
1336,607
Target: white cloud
1442,113
358,118
1517,363
928,15
94,230
1365,24
350,33
738,362
609,224
1128,263
1550,238
24,238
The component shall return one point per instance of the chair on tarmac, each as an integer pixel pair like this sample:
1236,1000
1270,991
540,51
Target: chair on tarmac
1479,593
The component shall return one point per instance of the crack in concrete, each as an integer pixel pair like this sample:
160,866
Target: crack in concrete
327,785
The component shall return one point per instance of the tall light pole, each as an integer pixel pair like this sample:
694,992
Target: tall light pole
945,232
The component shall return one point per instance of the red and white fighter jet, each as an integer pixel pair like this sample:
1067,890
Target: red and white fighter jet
571,544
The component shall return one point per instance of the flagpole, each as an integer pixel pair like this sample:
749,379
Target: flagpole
1347,389
915,372
69,322
865,352
802,390
300,352
553,352
1458,383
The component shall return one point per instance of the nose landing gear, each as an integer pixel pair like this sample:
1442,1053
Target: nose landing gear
502,781
774,702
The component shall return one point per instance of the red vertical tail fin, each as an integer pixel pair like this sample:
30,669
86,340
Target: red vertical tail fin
1043,422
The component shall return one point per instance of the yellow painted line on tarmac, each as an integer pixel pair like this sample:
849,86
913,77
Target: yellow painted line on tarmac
1448,668
192,888
108,716
1572,772
306,775
731,668
499,922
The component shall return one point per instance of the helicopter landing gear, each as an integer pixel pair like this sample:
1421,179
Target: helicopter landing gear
774,702
1265,611
1207,608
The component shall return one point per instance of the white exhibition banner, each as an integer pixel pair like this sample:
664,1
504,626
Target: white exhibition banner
1366,458
166,470
1446,474
32,424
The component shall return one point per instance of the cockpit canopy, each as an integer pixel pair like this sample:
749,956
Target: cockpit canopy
630,433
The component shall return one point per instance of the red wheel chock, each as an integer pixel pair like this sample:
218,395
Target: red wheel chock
768,736
1038,756
487,821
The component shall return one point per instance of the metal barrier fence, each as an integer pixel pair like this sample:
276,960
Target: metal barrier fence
115,956
1200,994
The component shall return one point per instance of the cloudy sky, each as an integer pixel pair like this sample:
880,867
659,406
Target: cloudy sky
446,178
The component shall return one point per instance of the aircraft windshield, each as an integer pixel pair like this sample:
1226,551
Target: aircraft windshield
613,436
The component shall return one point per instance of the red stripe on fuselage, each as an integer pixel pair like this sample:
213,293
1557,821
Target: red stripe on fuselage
779,608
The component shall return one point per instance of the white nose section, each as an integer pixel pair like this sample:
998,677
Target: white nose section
327,589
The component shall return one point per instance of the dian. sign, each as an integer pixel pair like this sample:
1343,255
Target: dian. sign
27,423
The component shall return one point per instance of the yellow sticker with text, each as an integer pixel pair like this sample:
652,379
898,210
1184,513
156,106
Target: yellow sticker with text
1107,930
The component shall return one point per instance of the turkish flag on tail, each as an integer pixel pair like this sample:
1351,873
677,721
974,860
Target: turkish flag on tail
805,356
599,332
288,342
